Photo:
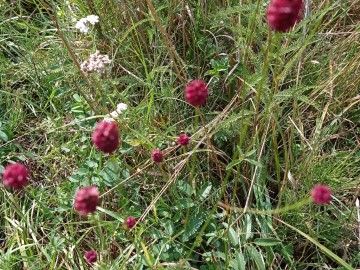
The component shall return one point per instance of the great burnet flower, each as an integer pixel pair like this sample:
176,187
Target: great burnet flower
15,176
130,222
91,256
106,136
321,194
282,15
86,200
196,93
157,156
183,139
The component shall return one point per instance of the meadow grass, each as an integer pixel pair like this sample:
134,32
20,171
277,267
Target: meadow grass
282,115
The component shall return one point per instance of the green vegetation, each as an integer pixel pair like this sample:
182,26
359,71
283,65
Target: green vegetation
283,115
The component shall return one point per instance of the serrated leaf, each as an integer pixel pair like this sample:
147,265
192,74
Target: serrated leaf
240,260
192,226
267,242
232,235
255,256
185,187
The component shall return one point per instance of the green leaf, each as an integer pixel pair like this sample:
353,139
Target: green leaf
205,191
232,235
256,257
192,226
185,187
4,136
240,260
110,213
233,163
267,242
254,162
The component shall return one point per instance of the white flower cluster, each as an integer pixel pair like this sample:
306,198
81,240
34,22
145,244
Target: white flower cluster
95,63
81,24
115,114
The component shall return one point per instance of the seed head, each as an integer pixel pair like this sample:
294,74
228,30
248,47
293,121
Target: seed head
91,256
15,176
157,156
183,140
86,200
130,222
196,93
282,15
321,194
106,136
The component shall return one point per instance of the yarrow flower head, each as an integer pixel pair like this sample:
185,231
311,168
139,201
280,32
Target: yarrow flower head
82,23
120,108
15,176
96,63
130,222
282,15
183,140
106,136
86,200
196,93
321,194
157,156
91,256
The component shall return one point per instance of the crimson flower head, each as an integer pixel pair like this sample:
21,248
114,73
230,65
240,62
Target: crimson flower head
86,200
130,222
282,15
157,156
106,136
15,176
183,140
91,256
321,194
196,93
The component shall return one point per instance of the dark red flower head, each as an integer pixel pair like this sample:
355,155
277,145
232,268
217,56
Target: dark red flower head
196,93
321,194
282,15
183,140
86,200
91,256
16,175
130,222
106,136
157,156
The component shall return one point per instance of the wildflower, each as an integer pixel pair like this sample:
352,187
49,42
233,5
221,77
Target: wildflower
92,19
86,200
119,109
90,256
183,140
157,156
96,63
82,23
321,194
106,136
15,176
282,15
196,93
130,222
